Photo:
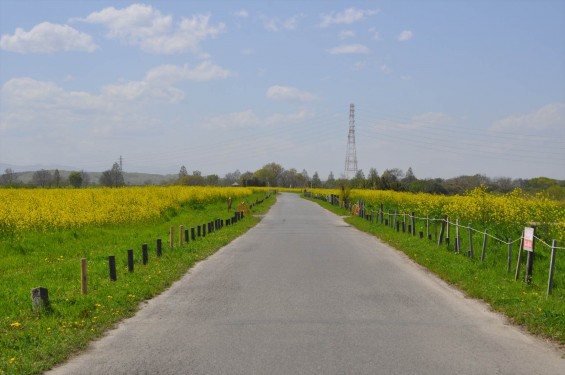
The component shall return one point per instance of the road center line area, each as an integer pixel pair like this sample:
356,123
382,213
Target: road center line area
304,293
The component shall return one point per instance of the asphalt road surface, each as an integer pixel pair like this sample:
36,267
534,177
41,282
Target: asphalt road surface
304,293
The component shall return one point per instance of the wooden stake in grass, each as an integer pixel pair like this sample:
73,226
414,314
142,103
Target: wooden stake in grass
172,237
181,230
83,277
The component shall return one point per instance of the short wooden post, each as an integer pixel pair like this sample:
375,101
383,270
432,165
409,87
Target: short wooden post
457,238
192,233
413,221
112,266
551,267
130,260
181,232
471,253
186,236
83,277
530,264
447,231
484,252
203,230
520,249
421,234
172,237
40,299
509,260
159,247
427,227
441,232
199,231
144,254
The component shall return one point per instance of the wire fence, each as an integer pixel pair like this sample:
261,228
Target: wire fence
441,230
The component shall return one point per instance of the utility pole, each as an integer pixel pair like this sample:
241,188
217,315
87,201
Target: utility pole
351,153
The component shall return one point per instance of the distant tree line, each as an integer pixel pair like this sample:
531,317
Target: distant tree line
275,175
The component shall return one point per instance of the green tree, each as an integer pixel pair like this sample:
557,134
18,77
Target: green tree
183,172
41,178
316,182
113,177
75,179
330,182
373,179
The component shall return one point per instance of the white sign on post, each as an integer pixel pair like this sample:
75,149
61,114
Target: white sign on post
528,239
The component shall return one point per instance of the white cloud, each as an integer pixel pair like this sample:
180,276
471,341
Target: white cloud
289,93
249,119
160,82
235,120
550,116
274,24
346,34
405,35
349,49
242,13
348,16
133,23
385,69
143,26
47,38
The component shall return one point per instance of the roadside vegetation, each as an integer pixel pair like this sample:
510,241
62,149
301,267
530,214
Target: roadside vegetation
34,341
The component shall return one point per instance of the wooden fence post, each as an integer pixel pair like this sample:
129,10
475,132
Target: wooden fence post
181,230
192,234
483,253
413,221
144,254
447,231
551,267
40,299
83,277
159,247
519,258
509,260
130,260
457,243
441,231
172,237
112,266
471,253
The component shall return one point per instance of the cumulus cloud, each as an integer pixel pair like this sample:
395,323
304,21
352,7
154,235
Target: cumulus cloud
346,34
275,24
405,36
143,26
289,94
242,13
348,16
349,49
550,116
47,38
249,119
160,81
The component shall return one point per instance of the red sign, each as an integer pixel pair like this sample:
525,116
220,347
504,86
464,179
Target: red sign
528,239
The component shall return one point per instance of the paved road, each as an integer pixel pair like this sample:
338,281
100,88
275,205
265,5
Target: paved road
304,293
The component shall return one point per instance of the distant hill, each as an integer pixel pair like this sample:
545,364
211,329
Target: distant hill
130,178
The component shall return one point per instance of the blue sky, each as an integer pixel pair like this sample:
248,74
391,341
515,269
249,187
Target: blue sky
445,87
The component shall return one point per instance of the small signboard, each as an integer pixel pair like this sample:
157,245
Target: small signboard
528,239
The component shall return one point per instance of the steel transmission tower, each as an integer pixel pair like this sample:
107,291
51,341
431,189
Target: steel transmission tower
351,153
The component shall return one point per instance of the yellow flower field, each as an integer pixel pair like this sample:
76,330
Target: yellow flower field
506,214
49,209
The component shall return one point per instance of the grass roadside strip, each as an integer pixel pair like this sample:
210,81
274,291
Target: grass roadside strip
524,305
31,343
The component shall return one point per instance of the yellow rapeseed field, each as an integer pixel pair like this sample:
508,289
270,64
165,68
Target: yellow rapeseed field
49,209
507,214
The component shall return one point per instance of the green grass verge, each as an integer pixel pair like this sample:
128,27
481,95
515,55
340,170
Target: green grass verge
32,342
524,304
